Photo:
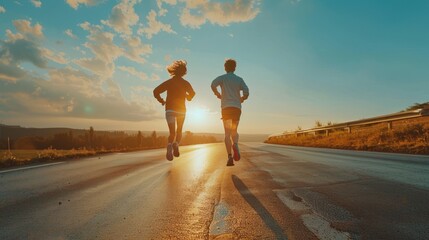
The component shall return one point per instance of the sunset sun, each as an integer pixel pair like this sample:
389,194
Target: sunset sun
197,115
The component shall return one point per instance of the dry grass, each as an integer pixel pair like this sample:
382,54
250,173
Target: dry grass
407,136
22,157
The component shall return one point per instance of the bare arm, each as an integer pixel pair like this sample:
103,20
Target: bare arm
245,90
158,90
191,92
214,86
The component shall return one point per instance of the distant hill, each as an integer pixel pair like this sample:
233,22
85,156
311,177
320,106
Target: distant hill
15,132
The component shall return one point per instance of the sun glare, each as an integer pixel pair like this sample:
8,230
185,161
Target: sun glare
197,116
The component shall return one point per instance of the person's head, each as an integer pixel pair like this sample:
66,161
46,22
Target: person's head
177,68
230,65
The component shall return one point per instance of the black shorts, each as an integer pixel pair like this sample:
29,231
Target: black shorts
232,113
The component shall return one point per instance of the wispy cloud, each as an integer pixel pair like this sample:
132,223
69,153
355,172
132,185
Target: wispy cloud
123,17
135,49
75,3
88,90
19,47
36,3
70,33
162,11
72,93
134,72
24,28
187,38
58,57
154,26
198,12
104,49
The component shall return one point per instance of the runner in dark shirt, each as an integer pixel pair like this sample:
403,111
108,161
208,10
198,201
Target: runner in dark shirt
178,89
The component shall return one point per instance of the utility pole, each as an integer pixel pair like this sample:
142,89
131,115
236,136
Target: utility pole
8,145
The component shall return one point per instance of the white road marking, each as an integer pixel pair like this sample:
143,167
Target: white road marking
317,224
30,167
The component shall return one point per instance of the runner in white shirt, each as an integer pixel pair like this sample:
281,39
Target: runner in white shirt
231,86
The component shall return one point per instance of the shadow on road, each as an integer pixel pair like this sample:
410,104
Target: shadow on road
259,208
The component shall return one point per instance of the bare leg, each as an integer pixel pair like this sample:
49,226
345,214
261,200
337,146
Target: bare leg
171,121
234,133
227,125
171,127
180,120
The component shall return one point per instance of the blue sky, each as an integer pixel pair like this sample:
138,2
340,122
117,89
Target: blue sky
81,63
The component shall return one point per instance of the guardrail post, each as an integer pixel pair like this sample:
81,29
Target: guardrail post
326,132
389,126
349,129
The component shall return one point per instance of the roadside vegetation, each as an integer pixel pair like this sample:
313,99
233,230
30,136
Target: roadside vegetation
407,136
67,145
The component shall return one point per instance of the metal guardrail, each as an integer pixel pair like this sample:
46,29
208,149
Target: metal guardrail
389,118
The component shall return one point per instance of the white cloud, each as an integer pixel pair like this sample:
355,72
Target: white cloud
162,11
157,66
24,27
198,12
2,9
36,3
134,49
104,49
75,3
69,33
123,17
139,89
154,26
134,72
23,46
187,38
73,94
56,57
154,77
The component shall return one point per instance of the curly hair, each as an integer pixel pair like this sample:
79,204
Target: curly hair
230,65
177,68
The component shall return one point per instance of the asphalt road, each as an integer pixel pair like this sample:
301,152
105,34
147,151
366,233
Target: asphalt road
274,192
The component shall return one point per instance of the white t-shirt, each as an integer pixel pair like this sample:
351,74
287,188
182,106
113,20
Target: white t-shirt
231,85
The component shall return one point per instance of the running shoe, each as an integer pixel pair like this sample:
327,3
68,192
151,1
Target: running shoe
169,154
230,161
236,150
176,152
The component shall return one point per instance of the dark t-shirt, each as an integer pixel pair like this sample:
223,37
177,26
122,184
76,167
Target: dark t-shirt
177,90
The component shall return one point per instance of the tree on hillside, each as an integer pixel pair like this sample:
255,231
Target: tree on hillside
418,106
139,139
154,139
318,123
91,137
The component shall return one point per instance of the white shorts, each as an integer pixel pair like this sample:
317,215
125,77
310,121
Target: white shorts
171,116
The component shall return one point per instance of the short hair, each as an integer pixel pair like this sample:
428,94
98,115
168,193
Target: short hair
177,68
230,65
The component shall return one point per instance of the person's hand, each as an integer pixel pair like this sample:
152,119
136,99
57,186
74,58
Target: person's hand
162,102
242,99
188,97
218,95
